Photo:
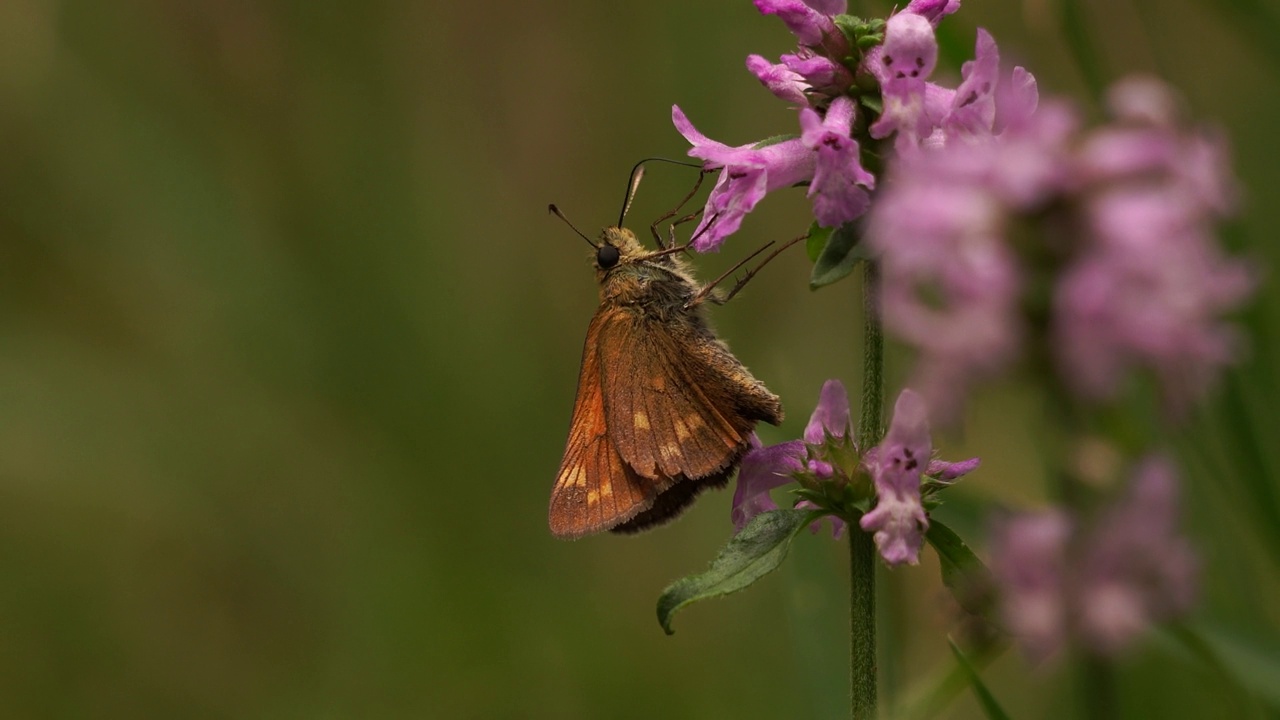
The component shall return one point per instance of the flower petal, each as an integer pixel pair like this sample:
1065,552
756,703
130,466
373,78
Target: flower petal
973,110
947,472
898,524
763,469
808,25
831,414
932,10
781,80
829,7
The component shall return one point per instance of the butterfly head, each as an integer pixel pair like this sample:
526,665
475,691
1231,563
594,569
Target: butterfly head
618,247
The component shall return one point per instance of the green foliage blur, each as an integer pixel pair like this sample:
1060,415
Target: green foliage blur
288,345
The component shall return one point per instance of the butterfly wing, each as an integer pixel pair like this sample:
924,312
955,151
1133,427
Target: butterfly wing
677,402
663,411
595,490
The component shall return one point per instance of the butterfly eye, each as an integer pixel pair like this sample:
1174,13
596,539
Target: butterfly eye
607,256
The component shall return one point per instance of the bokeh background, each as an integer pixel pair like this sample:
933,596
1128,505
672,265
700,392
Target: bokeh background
288,346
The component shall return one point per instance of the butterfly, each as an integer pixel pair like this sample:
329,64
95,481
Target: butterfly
663,410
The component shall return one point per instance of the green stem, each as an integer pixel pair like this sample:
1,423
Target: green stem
871,423
862,622
862,549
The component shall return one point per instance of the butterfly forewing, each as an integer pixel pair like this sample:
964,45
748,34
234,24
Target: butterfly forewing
595,490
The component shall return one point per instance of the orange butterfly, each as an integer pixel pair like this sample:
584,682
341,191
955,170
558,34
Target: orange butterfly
664,410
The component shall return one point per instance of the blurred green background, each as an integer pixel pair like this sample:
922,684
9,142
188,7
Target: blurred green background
290,343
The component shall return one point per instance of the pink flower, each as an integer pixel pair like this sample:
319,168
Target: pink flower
811,27
748,175
825,155
898,519
766,468
839,186
782,81
903,64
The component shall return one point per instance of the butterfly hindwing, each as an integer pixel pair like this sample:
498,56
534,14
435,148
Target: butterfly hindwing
673,407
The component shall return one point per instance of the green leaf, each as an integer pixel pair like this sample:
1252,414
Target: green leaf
817,240
839,256
750,555
962,572
869,41
931,696
985,698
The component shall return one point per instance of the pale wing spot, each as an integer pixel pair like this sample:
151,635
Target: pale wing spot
669,450
695,422
579,477
606,489
659,383
641,420
682,431
593,497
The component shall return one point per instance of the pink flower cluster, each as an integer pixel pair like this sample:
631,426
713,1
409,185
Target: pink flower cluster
1123,272
1124,218
1098,585
896,467
824,155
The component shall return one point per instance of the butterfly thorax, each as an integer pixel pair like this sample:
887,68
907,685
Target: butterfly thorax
660,285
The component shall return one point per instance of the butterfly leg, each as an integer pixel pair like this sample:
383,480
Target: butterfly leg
681,248
653,227
706,294
671,229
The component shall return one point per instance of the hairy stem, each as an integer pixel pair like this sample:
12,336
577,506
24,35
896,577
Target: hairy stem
862,549
862,622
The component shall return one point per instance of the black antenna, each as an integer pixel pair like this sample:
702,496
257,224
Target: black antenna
556,211
637,172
